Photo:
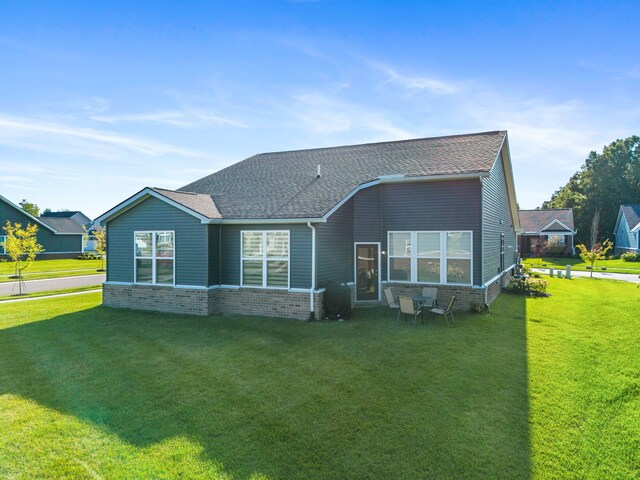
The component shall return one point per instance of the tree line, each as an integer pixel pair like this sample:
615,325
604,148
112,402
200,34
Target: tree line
604,182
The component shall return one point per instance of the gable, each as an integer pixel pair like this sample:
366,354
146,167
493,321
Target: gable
556,226
9,211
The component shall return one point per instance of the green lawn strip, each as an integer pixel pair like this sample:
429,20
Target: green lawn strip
612,266
42,266
49,293
544,388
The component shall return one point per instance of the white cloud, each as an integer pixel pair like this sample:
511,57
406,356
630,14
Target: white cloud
413,84
174,118
35,134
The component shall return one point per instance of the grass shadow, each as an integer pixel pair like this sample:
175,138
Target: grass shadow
361,399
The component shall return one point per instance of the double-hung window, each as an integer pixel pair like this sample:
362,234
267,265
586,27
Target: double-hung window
155,257
265,259
3,249
430,257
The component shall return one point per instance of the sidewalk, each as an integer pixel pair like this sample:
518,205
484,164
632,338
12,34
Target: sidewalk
33,286
625,277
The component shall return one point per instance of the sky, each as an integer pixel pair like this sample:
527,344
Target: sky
101,99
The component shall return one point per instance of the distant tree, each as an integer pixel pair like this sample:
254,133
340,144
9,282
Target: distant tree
30,208
46,210
21,246
101,245
604,181
598,251
539,249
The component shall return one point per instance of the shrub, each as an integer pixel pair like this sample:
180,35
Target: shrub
537,285
536,275
479,307
630,257
89,256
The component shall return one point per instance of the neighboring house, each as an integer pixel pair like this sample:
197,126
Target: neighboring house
627,231
554,226
60,237
264,236
81,219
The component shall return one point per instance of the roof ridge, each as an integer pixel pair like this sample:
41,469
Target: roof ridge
388,142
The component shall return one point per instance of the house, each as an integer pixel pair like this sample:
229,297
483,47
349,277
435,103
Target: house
265,235
60,237
627,231
554,226
81,219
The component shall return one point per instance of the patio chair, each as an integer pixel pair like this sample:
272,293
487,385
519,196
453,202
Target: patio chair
408,307
391,302
431,292
446,311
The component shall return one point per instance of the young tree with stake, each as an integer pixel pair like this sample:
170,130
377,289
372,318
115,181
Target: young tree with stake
22,247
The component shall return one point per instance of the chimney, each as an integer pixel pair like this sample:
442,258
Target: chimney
318,175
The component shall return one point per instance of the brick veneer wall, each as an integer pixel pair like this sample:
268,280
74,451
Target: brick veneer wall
465,296
218,301
157,298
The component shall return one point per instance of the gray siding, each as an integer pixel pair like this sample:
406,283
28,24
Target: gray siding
367,220
153,214
300,252
496,219
334,243
51,242
623,235
214,255
445,205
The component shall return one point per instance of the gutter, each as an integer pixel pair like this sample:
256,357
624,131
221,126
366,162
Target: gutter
312,305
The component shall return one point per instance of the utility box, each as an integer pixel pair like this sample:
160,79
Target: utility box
568,272
551,272
559,273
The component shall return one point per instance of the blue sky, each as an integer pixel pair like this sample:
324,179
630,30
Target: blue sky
100,99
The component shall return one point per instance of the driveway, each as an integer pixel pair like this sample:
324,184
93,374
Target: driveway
33,286
625,277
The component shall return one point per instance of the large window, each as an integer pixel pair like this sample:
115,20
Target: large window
3,250
265,259
430,257
155,257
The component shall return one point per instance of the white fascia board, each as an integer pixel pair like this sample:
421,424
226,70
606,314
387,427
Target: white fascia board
636,228
262,221
21,210
508,174
141,196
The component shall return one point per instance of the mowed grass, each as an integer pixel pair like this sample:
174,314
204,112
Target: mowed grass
538,388
612,266
41,269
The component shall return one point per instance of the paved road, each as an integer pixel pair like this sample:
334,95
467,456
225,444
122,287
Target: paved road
625,277
33,286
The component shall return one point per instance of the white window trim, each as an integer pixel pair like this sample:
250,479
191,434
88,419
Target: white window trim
153,258
414,256
265,259
3,248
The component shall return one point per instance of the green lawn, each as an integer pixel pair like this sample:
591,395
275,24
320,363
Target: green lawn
546,388
41,269
613,266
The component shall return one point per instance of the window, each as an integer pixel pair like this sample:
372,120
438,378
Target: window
3,250
265,259
430,257
155,257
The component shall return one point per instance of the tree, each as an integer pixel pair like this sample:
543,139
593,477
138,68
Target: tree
604,182
21,246
101,245
598,250
30,208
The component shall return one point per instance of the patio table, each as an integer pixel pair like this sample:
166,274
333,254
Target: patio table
422,301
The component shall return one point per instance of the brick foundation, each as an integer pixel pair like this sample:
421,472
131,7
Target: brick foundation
217,301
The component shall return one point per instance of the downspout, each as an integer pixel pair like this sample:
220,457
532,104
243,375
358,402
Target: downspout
312,308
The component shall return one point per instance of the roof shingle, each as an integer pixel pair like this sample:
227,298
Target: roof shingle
532,221
285,185
632,214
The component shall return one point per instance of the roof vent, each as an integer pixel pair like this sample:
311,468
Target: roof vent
318,174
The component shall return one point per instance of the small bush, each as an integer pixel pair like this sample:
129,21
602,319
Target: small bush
612,257
630,257
89,256
537,285
479,307
536,275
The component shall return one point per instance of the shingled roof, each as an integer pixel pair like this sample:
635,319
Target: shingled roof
285,184
62,225
199,203
533,221
632,214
